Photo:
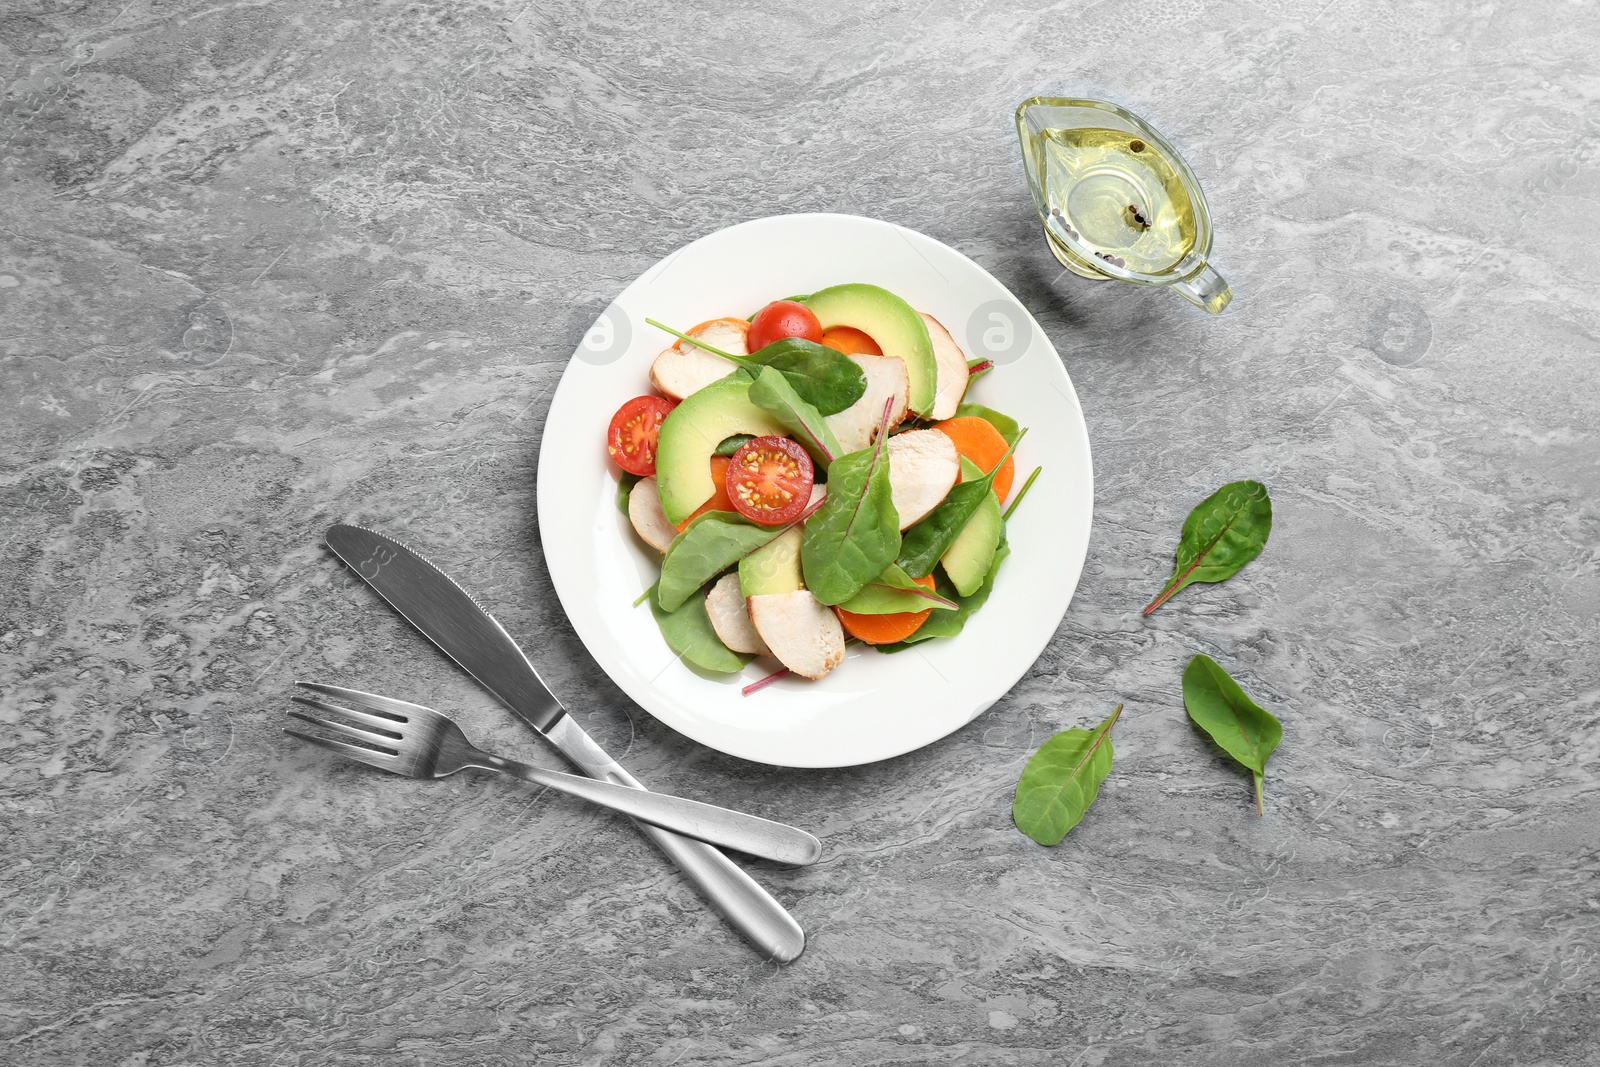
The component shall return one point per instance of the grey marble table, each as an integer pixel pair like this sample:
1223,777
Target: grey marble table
269,265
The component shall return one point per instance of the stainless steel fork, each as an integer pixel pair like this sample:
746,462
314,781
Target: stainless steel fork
419,742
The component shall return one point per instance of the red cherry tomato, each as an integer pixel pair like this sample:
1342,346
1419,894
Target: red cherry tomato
635,427
769,480
780,319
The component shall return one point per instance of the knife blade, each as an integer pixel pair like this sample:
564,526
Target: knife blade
464,630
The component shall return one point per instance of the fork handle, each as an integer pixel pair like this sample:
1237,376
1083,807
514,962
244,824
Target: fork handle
704,822
750,908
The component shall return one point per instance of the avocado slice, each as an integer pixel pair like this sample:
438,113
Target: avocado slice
970,555
890,321
774,567
691,434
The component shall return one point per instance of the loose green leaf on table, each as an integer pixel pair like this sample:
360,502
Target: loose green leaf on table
713,542
856,532
930,538
1225,531
1244,729
1062,780
689,633
893,592
773,393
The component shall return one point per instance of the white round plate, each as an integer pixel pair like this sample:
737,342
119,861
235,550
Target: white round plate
873,706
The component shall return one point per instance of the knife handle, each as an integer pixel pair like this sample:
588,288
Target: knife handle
750,908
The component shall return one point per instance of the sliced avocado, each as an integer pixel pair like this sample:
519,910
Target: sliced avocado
690,436
891,322
969,556
772,568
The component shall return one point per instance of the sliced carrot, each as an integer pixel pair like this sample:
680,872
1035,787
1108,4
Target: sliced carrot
851,341
744,327
979,441
719,500
886,629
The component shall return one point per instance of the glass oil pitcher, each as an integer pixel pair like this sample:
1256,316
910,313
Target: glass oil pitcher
1118,201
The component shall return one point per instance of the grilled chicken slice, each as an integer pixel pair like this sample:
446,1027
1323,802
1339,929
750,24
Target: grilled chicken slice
857,425
685,368
950,384
802,632
731,618
923,465
649,521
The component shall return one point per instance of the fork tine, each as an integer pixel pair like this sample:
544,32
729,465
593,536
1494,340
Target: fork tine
377,722
382,760
355,732
382,705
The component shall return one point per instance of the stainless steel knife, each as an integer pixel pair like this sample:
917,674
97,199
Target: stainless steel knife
448,616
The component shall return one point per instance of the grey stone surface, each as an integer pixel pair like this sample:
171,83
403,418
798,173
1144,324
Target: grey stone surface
264,266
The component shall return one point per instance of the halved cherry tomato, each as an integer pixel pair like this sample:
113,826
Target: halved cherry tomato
631,438
769,480
851,341
780,319
885,629
719,500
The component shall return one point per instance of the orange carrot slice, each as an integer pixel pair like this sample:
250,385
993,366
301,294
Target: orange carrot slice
851,341
743,327
979,441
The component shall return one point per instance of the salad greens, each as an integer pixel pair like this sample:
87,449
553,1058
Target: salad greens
950,623
713,542
732,444
773,392
625,486
929,539
856,533
1062,780
894,591
846,551
1244,730
1225,531
824,377
688,632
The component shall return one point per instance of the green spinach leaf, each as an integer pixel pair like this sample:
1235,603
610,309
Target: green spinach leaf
950,623
892,592
1245,730
1225,531
829,380
773,393
1062,780
929,539
625,485
730,445
688,632
712,543
824,377
856,533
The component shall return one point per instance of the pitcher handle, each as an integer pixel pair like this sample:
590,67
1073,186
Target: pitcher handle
1205,289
